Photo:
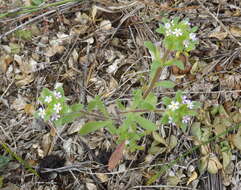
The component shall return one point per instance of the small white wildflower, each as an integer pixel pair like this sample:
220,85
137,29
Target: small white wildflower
192,36
57,107
186,43
174,105
55,117
167,25
189,104
41,112
186,119
168,33
177,32
57,94
171,121
186,22
48,99
184,99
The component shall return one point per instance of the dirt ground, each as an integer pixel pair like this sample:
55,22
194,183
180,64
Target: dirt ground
97,48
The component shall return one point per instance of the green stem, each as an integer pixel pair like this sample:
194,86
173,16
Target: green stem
157,75
18,158
30,9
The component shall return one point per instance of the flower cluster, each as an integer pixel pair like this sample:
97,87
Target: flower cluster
179,36
179,110
54,107
53,102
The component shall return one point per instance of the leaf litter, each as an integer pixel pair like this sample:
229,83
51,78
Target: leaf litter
104,48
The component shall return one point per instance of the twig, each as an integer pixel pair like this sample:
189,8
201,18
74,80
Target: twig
26,23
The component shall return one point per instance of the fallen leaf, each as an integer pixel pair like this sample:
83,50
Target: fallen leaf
46,143
102,177
105,25
173,180
91,186
116,156
218,35
19,103
159,139
29,109
236,31
5,62
236,139
213,165
23,80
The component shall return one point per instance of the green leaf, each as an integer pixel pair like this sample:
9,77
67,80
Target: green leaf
151,47
76,107
137,98
70,117
179,64
4,161
146,124
97,103
93,126
166,84
36,2
166,100
154,66
120,105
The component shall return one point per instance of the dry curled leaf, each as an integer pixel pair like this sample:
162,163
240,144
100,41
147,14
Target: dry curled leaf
236,31
116,156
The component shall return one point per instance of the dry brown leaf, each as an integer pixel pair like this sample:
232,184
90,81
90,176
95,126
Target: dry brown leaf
218,35
19,103
102,177
76,126
91,186
29,109
236,139
214,165
236,31
23,80
46,143
79,29
5,62
116,156
105,25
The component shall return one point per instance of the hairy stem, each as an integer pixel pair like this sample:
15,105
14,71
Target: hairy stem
156,76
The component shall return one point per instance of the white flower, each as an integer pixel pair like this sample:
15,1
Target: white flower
55,117
189,104
48,99
57,107
171,121
184,99
174,105
186,43
192,36
186,119
57,94
186,22
167,25
168,33
177,32
41,112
